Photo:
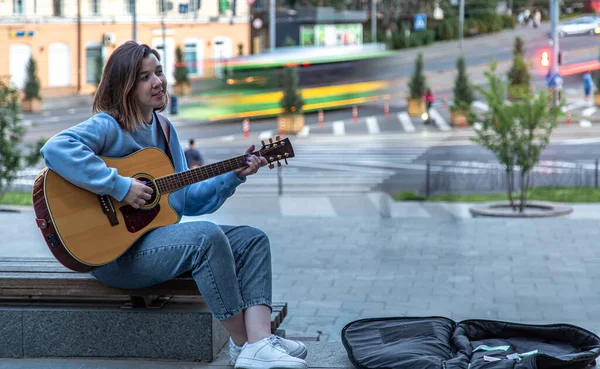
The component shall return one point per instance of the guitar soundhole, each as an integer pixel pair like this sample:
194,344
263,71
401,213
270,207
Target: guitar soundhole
150,183
138,219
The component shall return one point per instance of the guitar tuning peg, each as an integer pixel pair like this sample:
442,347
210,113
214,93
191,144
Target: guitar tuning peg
286,163
271,166
278,164
270,140
278,138
262,142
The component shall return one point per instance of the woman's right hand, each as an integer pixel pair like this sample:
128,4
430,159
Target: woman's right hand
138,194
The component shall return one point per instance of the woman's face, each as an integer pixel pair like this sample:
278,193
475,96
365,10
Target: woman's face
151,85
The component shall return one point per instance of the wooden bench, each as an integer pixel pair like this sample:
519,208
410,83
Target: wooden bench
35,279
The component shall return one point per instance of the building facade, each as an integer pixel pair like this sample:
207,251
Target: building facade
66,37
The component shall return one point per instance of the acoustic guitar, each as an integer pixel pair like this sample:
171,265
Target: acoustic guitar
84,230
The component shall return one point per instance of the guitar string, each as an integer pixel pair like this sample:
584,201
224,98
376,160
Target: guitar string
180,179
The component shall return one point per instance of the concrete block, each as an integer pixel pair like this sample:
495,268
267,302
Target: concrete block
11,343
179,331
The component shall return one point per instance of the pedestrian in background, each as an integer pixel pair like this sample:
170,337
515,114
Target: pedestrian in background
192,156
429,100
588,85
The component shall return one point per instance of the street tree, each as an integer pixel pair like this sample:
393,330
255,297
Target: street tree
292,101
463,90
518,76
515,132
12,132
461,112
418,82
519,47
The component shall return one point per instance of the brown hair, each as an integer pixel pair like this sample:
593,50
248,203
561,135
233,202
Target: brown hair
116,92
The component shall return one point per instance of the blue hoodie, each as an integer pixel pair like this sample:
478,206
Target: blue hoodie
73,154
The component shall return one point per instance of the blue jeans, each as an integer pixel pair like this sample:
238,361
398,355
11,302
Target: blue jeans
230,264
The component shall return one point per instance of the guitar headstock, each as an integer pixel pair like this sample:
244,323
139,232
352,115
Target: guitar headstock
276,151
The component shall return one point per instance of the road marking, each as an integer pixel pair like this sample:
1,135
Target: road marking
27,123
573,106
53,119
372,126
46,114
265,134
571,91
228,138
71,111
304,132
589,111
585,123
440,122
339,129
480,105
406,122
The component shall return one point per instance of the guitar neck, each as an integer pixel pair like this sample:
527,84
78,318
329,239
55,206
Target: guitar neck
176,181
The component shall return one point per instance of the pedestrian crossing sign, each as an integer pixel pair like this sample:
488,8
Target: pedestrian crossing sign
420,22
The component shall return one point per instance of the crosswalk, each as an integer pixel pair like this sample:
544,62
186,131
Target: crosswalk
327,169
370,125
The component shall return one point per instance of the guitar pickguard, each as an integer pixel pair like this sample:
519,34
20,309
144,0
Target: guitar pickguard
138,219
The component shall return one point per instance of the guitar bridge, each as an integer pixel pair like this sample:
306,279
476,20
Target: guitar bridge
108,209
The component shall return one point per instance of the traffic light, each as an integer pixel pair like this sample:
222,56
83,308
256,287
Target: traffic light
545,59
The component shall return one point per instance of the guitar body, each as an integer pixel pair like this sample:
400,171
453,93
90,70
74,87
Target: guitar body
84,230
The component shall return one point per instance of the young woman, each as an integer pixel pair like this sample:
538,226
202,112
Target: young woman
230,264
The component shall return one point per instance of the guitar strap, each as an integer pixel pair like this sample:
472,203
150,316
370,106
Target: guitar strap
166,131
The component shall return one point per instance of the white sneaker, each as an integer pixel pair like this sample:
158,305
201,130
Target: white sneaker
270,353
293,348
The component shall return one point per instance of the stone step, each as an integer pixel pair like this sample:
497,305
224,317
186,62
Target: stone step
184,329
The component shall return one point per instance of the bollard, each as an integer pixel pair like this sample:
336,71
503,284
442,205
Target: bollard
321,120
386,109
355,114
282,125
246,127
568,118
279,182
596,175
427,181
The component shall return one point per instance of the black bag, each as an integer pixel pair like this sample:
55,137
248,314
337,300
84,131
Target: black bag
441,343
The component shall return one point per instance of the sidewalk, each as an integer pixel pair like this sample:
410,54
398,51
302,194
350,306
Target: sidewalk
420,259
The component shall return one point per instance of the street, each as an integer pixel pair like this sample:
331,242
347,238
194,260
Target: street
379,149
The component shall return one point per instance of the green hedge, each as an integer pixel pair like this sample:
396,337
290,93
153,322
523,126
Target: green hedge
446,30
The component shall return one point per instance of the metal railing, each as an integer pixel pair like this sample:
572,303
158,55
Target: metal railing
442,177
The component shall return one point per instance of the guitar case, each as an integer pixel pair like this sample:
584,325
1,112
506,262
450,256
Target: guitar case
441,343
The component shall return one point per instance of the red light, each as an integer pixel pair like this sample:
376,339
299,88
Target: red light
305,64
545,60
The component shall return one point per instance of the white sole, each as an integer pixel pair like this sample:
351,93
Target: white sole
255,364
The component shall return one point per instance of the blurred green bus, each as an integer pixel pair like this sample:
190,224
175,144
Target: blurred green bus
329,78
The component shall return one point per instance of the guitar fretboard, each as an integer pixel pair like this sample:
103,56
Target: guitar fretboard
176,181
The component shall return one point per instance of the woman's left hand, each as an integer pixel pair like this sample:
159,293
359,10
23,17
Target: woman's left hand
254,163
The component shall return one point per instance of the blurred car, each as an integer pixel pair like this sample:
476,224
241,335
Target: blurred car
580,25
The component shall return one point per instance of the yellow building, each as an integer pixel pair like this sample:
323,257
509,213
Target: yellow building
66,36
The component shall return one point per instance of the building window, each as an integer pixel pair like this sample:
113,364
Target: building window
129,6
191,57
224,5
92,64
195,5
162,6
18,7
57,8
95,7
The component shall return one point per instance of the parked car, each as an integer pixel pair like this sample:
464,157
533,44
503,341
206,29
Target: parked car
580,25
